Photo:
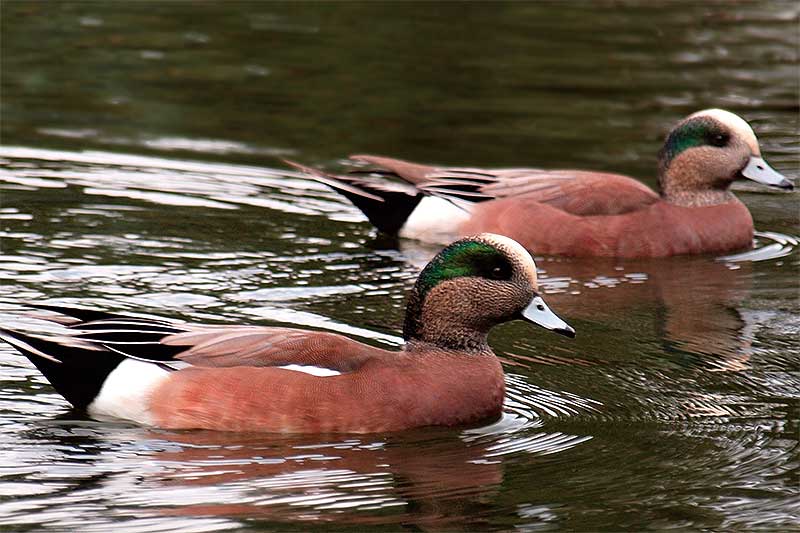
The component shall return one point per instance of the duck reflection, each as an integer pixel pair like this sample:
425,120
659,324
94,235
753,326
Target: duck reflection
693,303
430,478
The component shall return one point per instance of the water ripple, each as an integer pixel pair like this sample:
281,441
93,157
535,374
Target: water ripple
675,406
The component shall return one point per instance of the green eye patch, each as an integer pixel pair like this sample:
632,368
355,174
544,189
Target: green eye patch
700,131
461,259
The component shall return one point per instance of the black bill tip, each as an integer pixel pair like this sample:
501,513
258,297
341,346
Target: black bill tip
567,332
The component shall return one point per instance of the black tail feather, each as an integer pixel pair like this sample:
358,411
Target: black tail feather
83,315
390,214
87,316
75,371
387,208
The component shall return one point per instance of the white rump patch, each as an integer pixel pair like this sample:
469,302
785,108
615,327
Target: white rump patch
737,124
313,370
435,220
127,390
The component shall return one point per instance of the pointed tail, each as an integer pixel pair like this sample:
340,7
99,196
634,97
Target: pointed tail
76,369
386,205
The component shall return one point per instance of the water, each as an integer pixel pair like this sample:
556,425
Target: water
140,171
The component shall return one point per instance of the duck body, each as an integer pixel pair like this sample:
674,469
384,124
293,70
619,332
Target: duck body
577,212
250,378
389,391
659,229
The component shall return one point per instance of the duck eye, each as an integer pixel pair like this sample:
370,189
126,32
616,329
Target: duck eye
499,272
719,140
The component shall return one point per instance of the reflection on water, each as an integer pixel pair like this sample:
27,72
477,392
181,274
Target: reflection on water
312,480
675,406
357,481
694,303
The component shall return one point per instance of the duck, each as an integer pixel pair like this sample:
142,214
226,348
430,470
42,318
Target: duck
576,212
171,375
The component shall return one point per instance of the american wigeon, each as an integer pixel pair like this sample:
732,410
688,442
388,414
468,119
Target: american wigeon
251,378
576,212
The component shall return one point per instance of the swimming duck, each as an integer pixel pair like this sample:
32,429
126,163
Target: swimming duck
251,378
577,212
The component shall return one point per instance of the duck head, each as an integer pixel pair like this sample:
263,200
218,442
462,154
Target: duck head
471,286
706,152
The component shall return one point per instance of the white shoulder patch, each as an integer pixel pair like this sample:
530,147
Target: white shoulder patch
313,370
127,390
435,220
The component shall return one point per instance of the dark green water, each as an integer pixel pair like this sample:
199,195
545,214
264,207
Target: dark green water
140,170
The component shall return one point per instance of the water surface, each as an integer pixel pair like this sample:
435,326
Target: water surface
140,171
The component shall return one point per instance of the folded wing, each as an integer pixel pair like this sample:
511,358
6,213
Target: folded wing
269,346
174,344
576,192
